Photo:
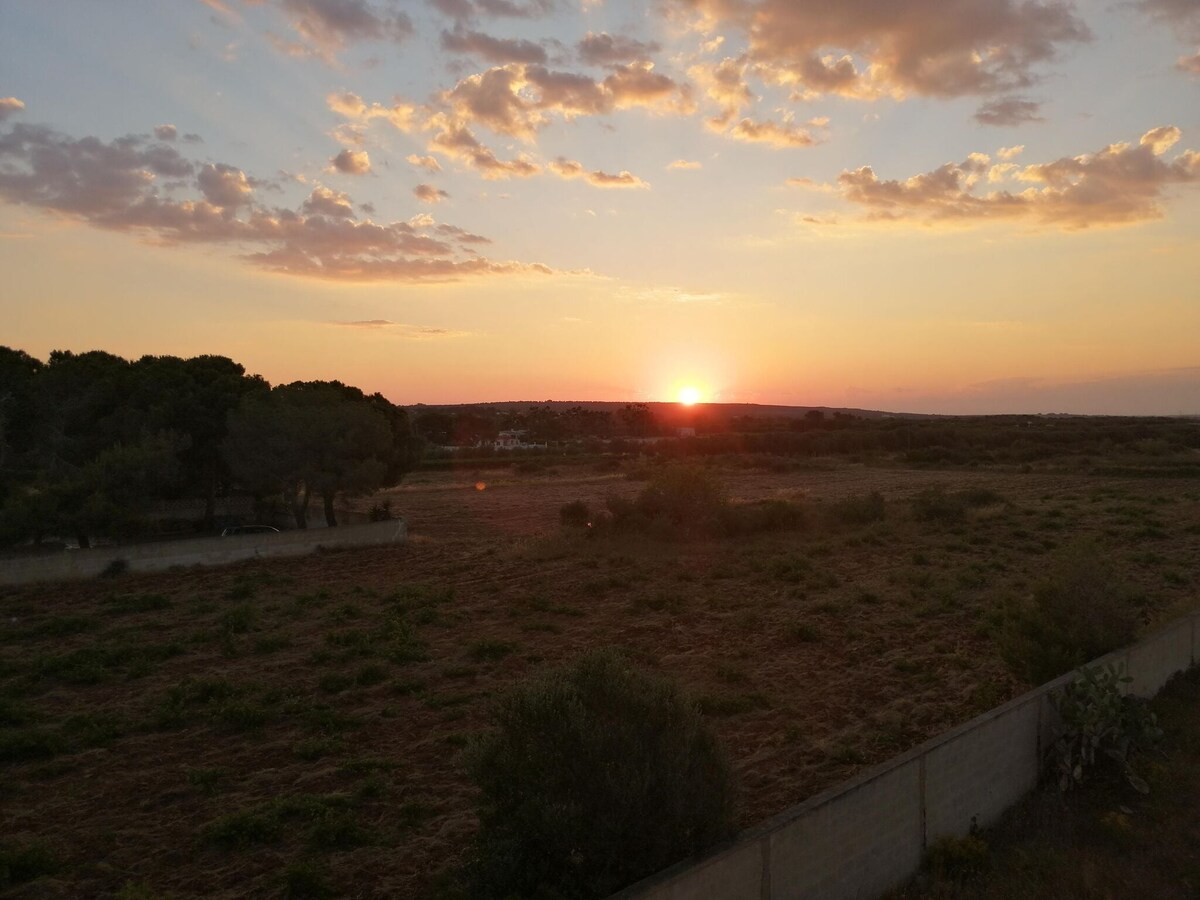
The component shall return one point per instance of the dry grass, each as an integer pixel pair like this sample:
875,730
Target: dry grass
298,722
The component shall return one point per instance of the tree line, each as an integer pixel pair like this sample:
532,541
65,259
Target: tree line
91,443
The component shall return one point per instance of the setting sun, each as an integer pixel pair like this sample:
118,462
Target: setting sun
689,396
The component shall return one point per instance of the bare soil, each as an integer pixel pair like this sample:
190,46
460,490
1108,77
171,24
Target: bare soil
321,705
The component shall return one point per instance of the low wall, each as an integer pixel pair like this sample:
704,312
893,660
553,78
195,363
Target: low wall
867,836
206,551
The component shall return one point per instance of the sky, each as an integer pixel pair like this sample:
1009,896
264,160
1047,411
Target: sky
946,206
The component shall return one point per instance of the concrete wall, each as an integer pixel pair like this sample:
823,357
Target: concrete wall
867,836
206,551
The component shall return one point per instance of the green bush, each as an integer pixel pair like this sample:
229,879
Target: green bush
1101,728
1081,610
685,497
860,510
595,776
575,514
934,504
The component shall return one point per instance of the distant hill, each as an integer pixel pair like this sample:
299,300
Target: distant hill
669,411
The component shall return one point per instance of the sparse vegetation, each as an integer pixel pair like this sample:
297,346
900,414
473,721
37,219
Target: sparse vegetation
576,757
1080,610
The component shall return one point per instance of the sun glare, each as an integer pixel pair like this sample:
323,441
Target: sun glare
689,396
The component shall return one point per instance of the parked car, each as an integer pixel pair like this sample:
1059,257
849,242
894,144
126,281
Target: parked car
248,529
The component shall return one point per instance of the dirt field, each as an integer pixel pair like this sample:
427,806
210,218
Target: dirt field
295,725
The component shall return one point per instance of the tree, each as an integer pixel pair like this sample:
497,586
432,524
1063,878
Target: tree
317,437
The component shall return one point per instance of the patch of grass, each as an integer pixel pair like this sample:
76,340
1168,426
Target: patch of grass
306,880
490,650
208,781
22,862
124,604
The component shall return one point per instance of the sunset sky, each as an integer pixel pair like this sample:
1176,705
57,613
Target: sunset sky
929,206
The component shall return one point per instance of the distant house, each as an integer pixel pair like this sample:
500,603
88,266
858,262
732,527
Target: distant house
514,440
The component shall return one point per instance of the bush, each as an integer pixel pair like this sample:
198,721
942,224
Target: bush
861,510
1101,728
685,497
597,775
1081,610
934,504
575,514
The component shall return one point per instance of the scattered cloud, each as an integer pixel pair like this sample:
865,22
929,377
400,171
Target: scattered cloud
872,48
604,49
399,329
1010,152
1189,64
10,106
1121,184
325,27
771,133
326,202
352,162
428,163
131,185
427,193
569,168
513,9
493,49
685,164
166,132
1008,111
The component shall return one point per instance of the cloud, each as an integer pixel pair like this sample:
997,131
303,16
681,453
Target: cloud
428,163
130,185
402,115
1008,111
685,164
725,84
1189,64
166,132
1121,184
466,9
327,26
10,106
772,133
224,186
518,100
399,329
869,48
326,202
569,168
493,49
604,49
1010,152
427,193
458,143
1181,15
352,162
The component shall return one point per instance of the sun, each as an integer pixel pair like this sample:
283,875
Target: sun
689,396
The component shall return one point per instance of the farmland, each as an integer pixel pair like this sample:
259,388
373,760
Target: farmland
293,726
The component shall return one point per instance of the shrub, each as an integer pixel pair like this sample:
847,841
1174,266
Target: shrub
1081,610
686,497
860,510
766,515
575,514
1101,727
934,504
20,863
596,775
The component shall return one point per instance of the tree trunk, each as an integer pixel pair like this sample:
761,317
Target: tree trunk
330,517
84,543
300,507
210,499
